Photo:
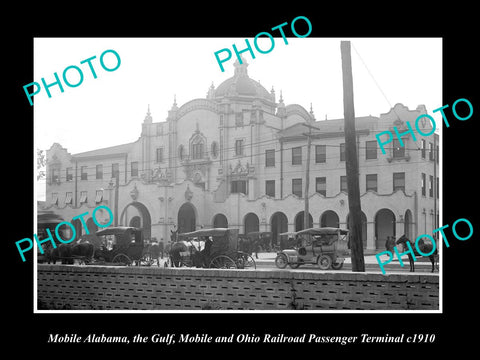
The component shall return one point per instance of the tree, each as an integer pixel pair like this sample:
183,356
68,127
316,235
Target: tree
41,162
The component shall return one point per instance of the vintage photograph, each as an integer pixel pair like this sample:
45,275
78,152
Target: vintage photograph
165,184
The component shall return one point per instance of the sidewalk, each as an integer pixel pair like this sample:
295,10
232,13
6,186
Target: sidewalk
269,258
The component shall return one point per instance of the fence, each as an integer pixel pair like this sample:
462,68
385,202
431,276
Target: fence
144,288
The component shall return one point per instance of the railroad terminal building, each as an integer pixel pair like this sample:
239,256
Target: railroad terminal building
237,158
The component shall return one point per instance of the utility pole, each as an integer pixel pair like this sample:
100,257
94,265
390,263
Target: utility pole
351,162
306,211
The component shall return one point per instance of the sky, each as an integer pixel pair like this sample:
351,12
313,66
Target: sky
110,109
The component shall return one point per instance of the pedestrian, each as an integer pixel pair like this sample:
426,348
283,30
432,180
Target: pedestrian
161,246
390,243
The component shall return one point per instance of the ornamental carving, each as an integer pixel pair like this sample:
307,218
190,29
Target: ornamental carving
161,175
241,170
188,194
196,170
134,192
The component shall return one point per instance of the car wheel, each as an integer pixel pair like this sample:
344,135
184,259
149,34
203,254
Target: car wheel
324,262
281,261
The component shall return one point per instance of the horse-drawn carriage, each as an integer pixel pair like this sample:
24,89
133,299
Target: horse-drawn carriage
326,247
210,248
121,245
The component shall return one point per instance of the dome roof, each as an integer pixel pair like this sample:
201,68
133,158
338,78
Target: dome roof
241,84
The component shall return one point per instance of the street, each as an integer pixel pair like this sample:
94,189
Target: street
266,261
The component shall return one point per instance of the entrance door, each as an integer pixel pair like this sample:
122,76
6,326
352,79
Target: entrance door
186,218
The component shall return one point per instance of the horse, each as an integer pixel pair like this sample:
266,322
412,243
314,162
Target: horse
174,253
424,248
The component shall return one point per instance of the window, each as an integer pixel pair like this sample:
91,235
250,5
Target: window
68,198
83,197
424,185
159,155
98,196
134,168
197,150
343,184
99,172
321,185
269,158
270,188
342,152
83,173
115,170
297,187
370,149
399,181
438,188
214,149
437,153
372,182
239,147
431,155
55,198
297,155
239,119
398,151
69,174
320,153
181,152
238,186
55,175
430,188
424,148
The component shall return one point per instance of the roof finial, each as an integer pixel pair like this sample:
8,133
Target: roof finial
174,99
281,96
148,117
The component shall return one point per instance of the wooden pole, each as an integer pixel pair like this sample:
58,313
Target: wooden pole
306,212
351,162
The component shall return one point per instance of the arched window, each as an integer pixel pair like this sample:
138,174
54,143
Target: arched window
197,147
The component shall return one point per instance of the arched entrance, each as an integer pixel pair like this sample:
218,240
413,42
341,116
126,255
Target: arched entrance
278,225
251,223
136,213
384,227
299,222
408,224
220,221
186,219
329,219
364,228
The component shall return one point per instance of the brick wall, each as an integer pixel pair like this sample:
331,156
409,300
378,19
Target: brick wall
143,288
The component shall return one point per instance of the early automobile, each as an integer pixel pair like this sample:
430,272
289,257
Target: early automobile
327,247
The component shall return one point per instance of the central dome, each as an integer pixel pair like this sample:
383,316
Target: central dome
241,84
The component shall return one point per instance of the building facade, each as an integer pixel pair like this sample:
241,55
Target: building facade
238,158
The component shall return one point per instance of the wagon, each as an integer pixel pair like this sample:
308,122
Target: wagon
121,245
326,247
46,220
220,250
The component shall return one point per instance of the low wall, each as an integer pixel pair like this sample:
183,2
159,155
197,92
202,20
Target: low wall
150,288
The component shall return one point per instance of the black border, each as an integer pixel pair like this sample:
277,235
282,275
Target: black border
245,21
